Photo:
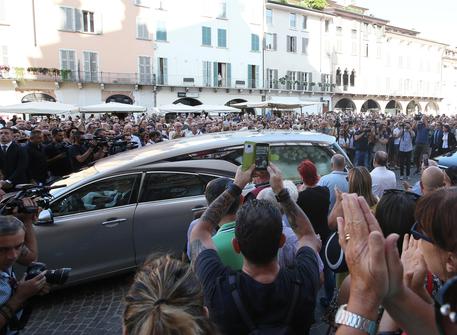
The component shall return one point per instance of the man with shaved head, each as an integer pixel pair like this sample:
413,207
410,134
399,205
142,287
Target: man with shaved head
432,179
382,178
337,178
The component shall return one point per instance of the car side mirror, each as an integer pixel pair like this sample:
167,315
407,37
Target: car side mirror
45,217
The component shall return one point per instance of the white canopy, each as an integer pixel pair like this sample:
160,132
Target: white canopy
217,109
42,107
277,103
179,108
112,107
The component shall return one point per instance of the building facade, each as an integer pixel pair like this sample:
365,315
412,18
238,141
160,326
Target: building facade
157,52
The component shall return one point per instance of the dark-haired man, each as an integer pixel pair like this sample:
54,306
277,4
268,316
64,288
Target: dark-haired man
13,161
57,153
267,292
37,168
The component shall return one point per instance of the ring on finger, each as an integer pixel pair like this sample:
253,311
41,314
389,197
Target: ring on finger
347,237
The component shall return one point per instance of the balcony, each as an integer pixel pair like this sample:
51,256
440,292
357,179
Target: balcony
290,85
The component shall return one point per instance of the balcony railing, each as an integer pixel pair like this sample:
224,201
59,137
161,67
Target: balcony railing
289,85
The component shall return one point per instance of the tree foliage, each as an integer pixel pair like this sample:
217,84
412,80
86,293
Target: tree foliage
315,4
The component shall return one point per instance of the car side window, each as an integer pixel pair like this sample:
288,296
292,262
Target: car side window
164,185
107,193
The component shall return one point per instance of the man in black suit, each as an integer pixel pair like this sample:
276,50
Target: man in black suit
13,160
37,169
436,141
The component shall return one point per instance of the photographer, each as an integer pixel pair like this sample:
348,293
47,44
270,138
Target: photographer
17,244
57,154
80,154
361,145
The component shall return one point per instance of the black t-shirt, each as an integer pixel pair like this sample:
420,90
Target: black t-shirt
62,166
37,168
362,143
315,203
76,150
266,304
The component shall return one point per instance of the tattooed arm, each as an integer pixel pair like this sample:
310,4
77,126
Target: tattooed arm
200,237
298,220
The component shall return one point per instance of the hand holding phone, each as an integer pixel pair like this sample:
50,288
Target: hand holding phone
256,153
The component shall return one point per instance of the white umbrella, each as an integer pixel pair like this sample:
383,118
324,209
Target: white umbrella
112,107
179,108
277,103
218,109
42,107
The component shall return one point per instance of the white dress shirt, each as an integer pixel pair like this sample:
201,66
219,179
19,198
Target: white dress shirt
382,179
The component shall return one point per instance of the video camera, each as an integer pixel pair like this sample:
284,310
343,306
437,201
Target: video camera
38,193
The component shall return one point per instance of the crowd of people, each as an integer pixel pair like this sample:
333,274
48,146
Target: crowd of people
54,147
379,259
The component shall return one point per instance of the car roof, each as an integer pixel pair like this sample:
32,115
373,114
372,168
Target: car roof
169,149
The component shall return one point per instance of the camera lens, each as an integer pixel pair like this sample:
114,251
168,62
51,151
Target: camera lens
58,277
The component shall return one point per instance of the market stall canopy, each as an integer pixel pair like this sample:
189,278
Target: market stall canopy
277,104
113,107
179,108
218,109
41,107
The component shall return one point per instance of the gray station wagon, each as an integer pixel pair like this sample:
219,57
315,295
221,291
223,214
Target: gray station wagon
110,216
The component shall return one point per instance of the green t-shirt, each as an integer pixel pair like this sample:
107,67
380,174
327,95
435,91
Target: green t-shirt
223,241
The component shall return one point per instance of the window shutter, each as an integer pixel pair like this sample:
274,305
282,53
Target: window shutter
249,76
288,43
99,23
86,56
229,75
305,42
205,73
257,75
78,20
215,74
63,18
275,42
63,60
165,71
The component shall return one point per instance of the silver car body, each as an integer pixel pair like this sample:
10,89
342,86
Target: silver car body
110,216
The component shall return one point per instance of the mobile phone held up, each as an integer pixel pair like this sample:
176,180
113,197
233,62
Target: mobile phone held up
256,153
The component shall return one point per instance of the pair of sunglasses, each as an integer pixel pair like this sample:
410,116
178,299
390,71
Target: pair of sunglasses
418,235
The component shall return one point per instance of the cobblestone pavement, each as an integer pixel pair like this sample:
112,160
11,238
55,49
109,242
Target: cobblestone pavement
96,308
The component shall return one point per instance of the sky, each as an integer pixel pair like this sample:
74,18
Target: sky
434,19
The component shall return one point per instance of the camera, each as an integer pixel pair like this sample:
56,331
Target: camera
417,117
58,276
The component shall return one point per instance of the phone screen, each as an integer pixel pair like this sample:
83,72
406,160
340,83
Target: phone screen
262,152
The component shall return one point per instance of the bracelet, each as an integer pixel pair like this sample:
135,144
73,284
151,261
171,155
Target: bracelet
234,190
283,195
349,319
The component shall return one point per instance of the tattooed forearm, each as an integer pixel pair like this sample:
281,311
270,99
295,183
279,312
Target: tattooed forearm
196,247
298,220
217,209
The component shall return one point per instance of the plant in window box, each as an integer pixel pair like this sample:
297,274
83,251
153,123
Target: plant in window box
65,74
19,71
283,80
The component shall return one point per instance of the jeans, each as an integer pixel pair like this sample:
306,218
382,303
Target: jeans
329,277
361,158
420,150
405,158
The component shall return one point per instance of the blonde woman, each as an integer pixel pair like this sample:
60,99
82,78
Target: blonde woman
166,298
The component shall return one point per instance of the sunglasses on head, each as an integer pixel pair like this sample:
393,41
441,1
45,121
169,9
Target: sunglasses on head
418,235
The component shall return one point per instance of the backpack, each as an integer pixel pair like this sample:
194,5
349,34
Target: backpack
281,329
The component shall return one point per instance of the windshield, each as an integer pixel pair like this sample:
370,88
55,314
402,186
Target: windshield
72,179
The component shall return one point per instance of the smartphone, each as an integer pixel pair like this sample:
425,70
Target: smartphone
248,155
425,161
262,154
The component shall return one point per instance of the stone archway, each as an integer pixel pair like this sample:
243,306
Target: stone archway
37,97
413,107
432,108
345,105
393,107
120,98
188,102
370,106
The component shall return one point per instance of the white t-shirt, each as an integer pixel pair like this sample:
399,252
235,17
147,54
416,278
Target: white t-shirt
382,179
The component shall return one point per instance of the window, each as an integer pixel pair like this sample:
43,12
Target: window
292,20
164,186
142,30
291,44
206,36
68,62
222,38
255,42
270,41
304,42
327,26
162,71
145,70
338,77
88,22
354,42
272,78
4,55
161,33
90,66
352,78
68,19
339,39
365,49
269,16
345,78
253,76
222,10
304,22
291,80
207,74
107,193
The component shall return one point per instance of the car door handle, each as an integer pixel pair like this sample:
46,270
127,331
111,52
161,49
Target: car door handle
113,222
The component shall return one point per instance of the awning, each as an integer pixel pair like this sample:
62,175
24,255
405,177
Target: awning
277,104
179,108
111,107
218,109
41,107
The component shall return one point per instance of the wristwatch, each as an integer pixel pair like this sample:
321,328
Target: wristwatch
344,317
